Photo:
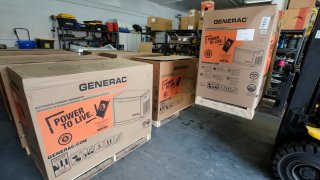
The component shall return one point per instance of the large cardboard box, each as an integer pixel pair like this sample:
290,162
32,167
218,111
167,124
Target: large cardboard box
294,4
127,55
78,114
16,52
236,50
159,24
184,22
174,80
146,47
297,19
193,19
7,95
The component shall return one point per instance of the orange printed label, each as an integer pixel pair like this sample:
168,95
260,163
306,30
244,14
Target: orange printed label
219,46
69,124
169,86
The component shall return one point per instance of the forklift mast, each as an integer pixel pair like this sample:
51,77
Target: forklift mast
305,94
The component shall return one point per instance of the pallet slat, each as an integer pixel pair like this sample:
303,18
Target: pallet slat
227,108
172,117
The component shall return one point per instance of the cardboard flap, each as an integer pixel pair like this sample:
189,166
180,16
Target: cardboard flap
17,52
25,59
28,71
165,58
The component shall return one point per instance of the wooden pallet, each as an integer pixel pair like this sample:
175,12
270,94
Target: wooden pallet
108,162
227,108
172,117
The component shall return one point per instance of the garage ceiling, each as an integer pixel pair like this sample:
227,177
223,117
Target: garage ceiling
185,5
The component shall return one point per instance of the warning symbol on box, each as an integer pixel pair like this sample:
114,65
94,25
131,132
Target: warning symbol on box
99,146
76,158
88,153
60,164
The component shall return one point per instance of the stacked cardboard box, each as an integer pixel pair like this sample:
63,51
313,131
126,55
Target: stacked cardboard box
79,114
295,4
184,23
8,96
159,24
201,20
200,24
297,19
298,15
205,6
236,50
145,47
174,79
193,19
127,54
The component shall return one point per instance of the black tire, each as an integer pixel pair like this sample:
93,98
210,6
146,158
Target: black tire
297,161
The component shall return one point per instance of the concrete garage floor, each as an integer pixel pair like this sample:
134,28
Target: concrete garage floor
200,144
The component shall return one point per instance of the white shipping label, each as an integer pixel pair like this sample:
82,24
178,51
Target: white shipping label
190,27
265,22
317,35
245,34
153,19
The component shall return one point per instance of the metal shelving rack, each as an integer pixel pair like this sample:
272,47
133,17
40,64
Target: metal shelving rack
191,48
288,78
65,41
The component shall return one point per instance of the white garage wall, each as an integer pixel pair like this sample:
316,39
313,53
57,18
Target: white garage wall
34,14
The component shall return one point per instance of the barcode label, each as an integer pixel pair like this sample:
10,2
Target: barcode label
146,106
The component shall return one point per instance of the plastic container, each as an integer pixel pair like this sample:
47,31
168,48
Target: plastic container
45,43
24,44
67,23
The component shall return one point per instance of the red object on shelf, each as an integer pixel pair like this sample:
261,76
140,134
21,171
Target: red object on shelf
115,26
282,63
110,26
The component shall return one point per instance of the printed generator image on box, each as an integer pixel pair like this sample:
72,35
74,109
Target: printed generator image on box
248,56
139,103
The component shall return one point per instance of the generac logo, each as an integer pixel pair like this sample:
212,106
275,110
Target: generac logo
102,83
230,21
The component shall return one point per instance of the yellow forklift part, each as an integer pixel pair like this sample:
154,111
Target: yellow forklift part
314,132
